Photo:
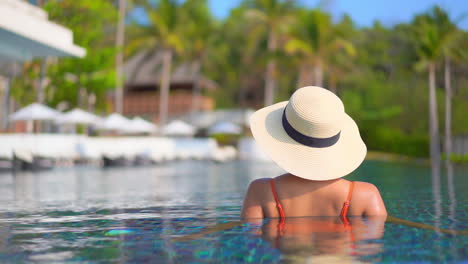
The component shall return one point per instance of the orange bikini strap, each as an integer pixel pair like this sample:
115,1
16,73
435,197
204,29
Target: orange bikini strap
345,220
278,204
282,220
350,193
344,211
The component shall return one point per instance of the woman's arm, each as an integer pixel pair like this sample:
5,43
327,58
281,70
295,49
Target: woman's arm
252,207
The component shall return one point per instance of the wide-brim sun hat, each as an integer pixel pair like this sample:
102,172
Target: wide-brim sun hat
310,136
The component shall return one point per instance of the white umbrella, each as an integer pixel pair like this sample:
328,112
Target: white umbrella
139,125
178,128
78,116
224,127
35,111
115,122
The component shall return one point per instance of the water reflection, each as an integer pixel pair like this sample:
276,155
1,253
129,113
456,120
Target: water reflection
451,190
84,188
201,184
326,239
437,197
435,173
452,202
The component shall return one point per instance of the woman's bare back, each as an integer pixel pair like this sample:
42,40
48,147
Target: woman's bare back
300,197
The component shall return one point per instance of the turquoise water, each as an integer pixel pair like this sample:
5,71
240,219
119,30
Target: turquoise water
188,212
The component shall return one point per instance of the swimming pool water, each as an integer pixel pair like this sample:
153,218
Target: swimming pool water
188,212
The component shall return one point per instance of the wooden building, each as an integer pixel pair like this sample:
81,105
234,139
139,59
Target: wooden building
142,78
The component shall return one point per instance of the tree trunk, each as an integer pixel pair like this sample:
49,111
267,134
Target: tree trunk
433,118
91,102
82,98
6,102
305,77
448,110
270,80
41,81
119,42
196,87
318,74
164,87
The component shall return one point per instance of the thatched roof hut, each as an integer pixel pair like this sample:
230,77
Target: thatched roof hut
144,70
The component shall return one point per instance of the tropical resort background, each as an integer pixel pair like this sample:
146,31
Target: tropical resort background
168,61
166,87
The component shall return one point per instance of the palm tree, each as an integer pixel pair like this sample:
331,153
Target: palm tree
236,59
435,36
197,31
161,34
119,42
452,51
273,15
43,70
340,62
317,42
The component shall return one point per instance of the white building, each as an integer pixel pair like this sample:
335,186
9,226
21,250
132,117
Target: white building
27,33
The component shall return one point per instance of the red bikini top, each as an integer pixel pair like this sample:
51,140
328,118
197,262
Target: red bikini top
344,210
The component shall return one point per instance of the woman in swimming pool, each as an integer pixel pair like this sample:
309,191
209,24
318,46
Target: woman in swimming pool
316,143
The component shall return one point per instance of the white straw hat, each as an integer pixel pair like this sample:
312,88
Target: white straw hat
310,136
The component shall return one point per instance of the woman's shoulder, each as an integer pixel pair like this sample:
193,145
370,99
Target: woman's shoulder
261,188
255,197
259,185
367,196
262,183
365,187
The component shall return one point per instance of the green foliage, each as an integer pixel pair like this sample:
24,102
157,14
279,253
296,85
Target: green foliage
198,27
459,158
273,13
383,138
75,81
162,32
374,71
311,33
236,60
434,35
22,87
226,139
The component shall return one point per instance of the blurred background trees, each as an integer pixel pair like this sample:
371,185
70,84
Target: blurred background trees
163,33
72,82
84,82
274,16
396,81
198,38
